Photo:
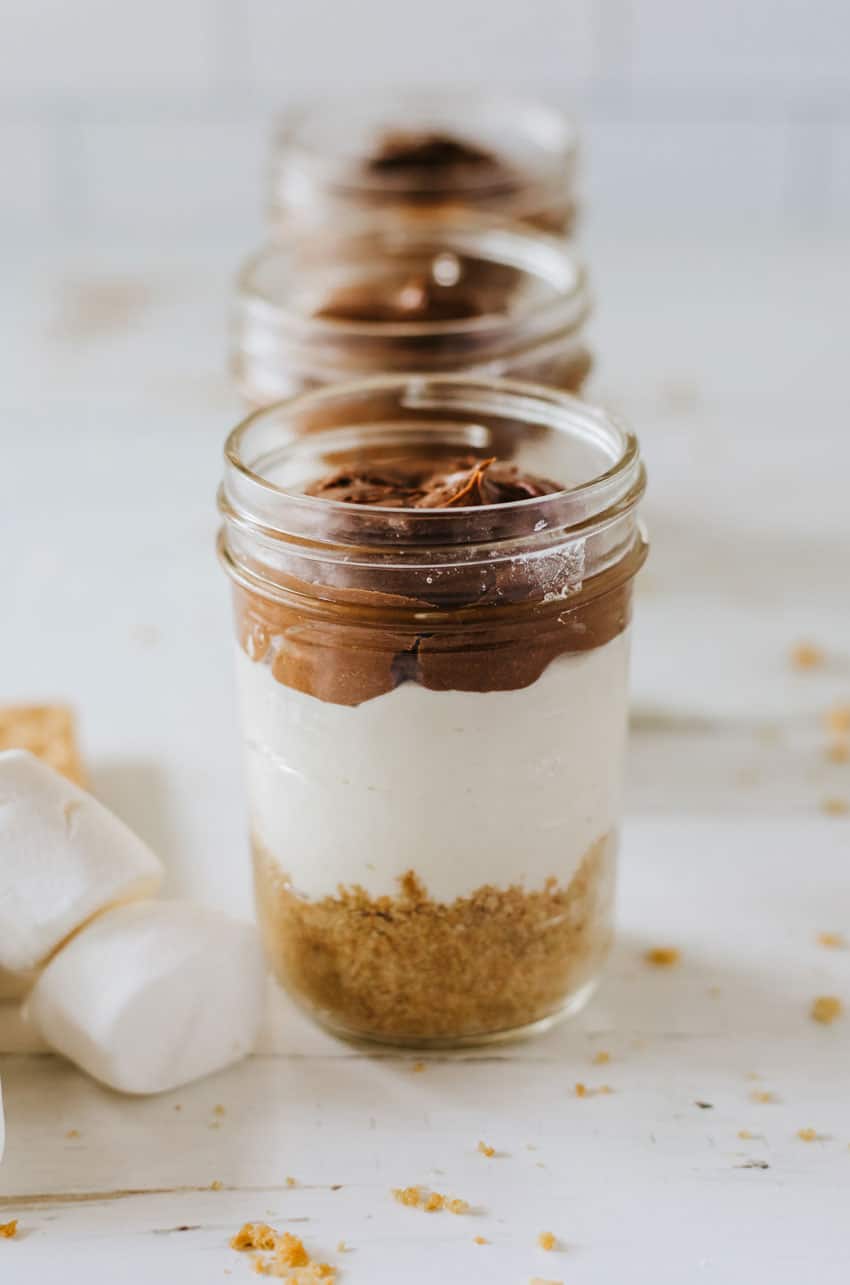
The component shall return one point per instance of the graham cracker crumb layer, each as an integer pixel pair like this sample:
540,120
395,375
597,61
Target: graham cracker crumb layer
409,968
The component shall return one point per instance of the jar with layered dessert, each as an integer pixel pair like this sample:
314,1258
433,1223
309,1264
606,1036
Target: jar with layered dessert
417,152
445,295
432,583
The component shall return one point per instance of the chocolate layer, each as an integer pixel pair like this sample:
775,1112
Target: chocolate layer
401,152
418,299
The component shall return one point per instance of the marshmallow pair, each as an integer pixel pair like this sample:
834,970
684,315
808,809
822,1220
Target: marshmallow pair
143,995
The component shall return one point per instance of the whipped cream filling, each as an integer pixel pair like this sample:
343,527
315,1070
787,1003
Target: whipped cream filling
464,788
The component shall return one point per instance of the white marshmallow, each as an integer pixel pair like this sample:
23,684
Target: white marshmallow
151,995
63,858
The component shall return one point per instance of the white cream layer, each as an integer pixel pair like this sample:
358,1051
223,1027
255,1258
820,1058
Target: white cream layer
465,788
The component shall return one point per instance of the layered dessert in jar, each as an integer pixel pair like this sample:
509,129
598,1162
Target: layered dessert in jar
448,294
414,153
432,655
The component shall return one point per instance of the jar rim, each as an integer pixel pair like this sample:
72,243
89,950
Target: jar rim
253,500
536,254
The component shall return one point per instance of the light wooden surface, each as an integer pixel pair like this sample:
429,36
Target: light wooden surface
730,361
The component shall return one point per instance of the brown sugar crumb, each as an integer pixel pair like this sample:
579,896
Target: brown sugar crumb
834,806
663,956
807,1135
807,655
832,941
407,966
837,720
481,1240
217,1185
763,1095
582,1091
601,1058
290,1182
418,1067
485,1150
8,1230
48,732
431,1201
281,1255
219,1110
826,1008
254,1236
546,1240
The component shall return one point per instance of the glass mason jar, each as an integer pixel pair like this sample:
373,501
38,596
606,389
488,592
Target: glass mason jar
410,153
433,700
444,295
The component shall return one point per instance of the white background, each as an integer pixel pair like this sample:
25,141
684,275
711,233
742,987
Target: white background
124,121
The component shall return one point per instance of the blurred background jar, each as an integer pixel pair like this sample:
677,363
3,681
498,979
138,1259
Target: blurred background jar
414,153
449,294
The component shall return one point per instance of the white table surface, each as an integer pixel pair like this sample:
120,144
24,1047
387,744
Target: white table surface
731,363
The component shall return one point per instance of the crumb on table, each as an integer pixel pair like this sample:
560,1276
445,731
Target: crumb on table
9,1230
285,1255
481,1240
663,956
835,806
807,1135
763,1095
832,941
431,1201
601,1058
486,1150
807,655
826,1008
838,751
837,720
546,1240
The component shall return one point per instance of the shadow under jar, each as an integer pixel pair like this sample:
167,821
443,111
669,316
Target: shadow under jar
446,296
432,656
410,153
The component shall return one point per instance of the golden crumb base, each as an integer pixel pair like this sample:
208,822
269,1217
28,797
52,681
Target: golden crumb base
48,732
407,968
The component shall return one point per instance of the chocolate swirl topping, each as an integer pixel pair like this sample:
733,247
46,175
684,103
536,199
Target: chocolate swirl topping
465,482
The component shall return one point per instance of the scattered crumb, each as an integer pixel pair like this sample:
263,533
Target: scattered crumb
834,806
704,1106
752,1075
178,1106
285,1255
807,655
745,1135
485,1150
419,1067
291,1182
838,751
430,1201
342,1248
538,1280
546,1240
219,1110
837,720
832,941
72,1133
481,1240
663,956
214,1124
763,1095
217,1185
8,1230
807,1135
582,1091
601,1058
826,1008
